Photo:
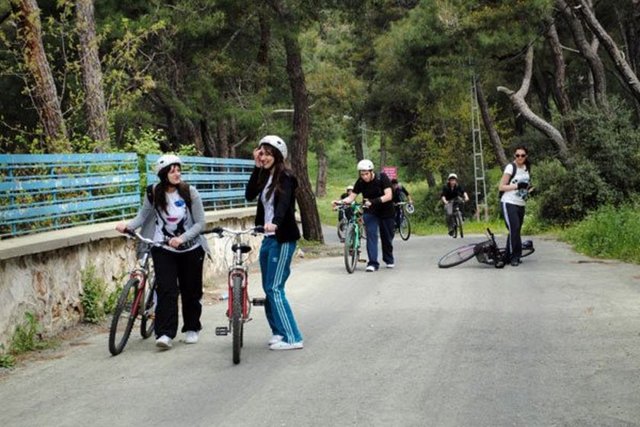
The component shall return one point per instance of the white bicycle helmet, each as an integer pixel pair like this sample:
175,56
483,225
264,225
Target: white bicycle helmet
349,187
167,160
365,165
452,176
276,142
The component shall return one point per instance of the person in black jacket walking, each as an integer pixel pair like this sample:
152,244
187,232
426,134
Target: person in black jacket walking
274,185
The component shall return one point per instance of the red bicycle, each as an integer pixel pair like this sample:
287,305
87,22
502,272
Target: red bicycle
239,304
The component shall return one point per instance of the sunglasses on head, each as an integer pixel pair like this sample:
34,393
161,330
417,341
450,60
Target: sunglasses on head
520,155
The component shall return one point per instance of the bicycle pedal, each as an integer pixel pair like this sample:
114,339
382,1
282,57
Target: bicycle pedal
362,260
258,301
222,330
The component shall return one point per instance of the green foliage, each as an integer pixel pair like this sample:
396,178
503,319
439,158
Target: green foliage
93,295
111,300
567,196
609,232
611,141
7,360
27,336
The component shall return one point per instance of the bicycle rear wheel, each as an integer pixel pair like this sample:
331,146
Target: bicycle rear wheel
459,221
457,256
527,248
124,316
147,320
236,318
405,228
351,248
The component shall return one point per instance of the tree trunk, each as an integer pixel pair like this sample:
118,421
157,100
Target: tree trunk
194,136
588,52
223,139
383,150
431,179
97,123
210,149
311,226
321,178
520,104
43,92
496,143
588,17
559,88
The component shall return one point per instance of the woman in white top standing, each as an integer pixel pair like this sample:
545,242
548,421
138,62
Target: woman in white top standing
515,185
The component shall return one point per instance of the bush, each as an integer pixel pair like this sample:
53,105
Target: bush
568,196
609,232
27,336
93,295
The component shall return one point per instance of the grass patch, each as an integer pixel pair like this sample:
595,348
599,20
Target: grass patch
609,232
93,296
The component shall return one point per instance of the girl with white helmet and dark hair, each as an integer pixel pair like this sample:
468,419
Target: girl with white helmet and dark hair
172,211
379,216
274,185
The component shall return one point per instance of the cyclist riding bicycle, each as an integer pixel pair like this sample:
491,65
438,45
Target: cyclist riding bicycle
400,194
450,193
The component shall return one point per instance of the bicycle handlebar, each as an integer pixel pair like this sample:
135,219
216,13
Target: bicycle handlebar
221,230
135,234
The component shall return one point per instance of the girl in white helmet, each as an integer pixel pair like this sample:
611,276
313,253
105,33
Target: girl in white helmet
379,216
274,185
172,211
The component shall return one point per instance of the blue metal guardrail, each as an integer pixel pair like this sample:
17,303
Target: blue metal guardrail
40,192
220,182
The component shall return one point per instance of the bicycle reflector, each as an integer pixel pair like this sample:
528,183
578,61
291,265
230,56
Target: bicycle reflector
410,208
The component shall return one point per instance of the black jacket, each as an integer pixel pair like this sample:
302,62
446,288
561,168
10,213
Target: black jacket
284,204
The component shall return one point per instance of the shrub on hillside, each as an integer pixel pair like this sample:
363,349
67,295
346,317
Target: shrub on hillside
567,196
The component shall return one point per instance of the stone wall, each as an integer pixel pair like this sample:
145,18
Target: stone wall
42,273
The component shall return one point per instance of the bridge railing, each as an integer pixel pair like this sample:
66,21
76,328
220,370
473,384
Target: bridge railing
220,182
52,191
42,192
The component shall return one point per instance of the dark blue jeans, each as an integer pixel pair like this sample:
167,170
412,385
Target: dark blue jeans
373,223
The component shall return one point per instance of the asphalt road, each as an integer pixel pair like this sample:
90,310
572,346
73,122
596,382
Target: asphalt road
555,341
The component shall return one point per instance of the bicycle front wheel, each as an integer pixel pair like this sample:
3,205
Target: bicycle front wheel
459,224
457,256
124,316
147,320
342,226
236,318
405,228
351,248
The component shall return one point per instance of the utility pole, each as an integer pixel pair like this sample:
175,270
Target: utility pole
478,157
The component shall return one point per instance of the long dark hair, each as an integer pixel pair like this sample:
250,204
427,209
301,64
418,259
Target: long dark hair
527,163
279,169
160,191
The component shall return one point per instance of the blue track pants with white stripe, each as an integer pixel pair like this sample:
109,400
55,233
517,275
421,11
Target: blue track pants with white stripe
275,263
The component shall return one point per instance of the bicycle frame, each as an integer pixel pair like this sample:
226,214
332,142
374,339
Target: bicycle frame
238,269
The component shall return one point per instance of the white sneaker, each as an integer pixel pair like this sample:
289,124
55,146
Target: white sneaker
163,342
390,265
370,269
282,345
191,337
274,339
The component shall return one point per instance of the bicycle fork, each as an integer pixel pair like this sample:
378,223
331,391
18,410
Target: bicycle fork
245,303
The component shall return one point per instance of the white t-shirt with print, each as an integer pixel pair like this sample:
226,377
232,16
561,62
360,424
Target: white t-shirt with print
515,197
269,211
176,212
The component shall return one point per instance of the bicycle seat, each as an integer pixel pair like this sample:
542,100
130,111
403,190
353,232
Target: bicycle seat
244,248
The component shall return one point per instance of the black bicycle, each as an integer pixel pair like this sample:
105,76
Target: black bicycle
486,252
403,225
456,217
